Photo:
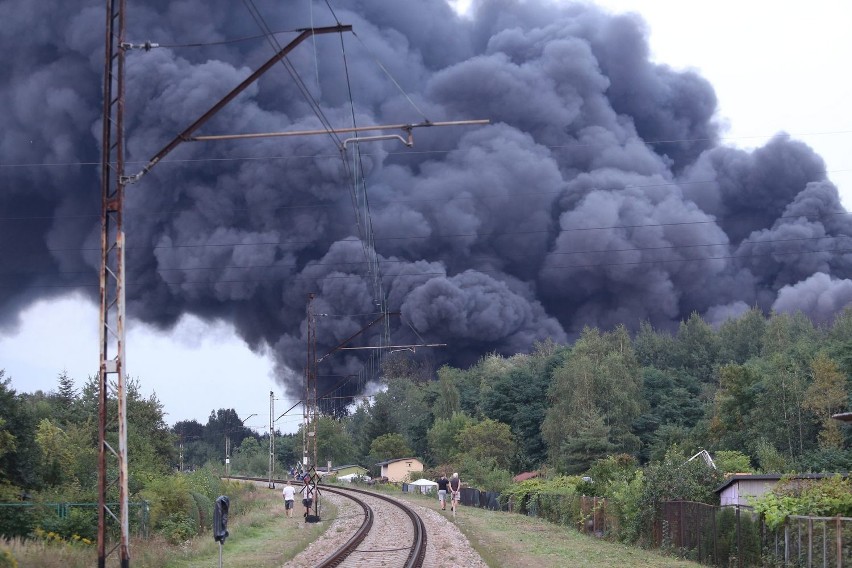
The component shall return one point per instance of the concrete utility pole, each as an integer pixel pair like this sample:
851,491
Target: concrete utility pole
228,445
112,430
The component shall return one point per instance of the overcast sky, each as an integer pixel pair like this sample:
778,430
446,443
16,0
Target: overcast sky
773,70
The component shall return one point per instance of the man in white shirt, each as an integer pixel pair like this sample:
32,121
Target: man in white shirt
289,498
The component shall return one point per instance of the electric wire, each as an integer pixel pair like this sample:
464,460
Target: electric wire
445,274
131,215
297,79
177,161
357,263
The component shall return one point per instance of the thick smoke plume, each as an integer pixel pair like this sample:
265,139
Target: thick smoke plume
600,193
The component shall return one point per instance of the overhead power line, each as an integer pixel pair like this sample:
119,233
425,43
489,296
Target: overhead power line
303,278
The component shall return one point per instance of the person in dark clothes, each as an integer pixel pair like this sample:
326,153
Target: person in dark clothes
443,485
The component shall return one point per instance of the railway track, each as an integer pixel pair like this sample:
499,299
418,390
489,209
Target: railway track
391,533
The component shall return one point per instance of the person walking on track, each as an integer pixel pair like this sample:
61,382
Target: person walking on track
289,494
455,488
443,485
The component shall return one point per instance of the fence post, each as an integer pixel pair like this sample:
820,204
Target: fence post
786,543
739,539
594,514
699,534
715,544
810,542
839,534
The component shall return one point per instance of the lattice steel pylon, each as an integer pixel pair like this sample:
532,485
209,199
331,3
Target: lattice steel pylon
309,435
112,293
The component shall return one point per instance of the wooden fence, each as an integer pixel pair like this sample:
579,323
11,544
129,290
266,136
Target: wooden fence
736,536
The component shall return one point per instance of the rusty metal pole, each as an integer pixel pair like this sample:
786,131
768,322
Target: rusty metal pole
112,288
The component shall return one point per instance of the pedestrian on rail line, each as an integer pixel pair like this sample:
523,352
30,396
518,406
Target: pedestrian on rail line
455,488
289,494
443,485
307,496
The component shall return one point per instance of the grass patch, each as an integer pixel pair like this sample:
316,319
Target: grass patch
264,537
261,537
509,540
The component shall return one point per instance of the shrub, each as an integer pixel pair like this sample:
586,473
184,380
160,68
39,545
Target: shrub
7,560
816,497
674,479
79,523
169,496
521,494
15,521
484,474
178,528
624,498
204,508
206,482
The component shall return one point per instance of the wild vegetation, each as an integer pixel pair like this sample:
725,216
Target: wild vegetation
614,414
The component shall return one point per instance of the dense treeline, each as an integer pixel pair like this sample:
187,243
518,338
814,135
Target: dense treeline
758,392
763,387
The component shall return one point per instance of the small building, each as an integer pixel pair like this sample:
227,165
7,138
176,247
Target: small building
348,469
743,488
399,469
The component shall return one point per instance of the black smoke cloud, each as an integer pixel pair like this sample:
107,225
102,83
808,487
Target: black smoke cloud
599,194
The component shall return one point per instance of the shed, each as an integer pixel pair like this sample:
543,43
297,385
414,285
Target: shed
742,488
399,469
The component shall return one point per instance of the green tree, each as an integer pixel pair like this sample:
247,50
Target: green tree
728,461
389,446
673,399
741,339
442,437
595,397
410,412
19,464
489,439
769,458
448,401
735,401
696,348
519,398
654,348
66,398
825,396
249,458
57,459
7,439
334,444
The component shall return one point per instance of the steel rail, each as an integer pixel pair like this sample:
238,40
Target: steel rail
417,553
418,548
352,544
